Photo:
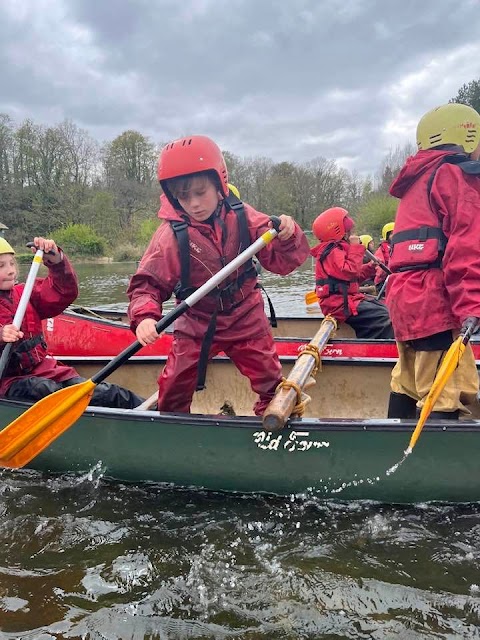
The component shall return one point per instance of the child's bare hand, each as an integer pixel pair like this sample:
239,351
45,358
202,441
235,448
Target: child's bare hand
146,332
10,333
354,239
47,245
287,227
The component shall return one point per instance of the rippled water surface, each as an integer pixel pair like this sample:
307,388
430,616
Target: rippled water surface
86,557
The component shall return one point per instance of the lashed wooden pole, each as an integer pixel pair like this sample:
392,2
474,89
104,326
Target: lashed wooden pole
289,392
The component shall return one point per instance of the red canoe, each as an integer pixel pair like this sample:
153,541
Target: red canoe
99,334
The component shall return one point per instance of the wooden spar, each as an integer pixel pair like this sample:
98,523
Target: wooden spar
289,393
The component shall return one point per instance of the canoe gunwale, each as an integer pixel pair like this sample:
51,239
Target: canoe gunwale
255,422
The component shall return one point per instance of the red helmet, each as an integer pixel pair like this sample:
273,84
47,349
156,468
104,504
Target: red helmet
330,225
191,155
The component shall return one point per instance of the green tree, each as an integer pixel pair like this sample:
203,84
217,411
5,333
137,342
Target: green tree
99,213
80,240
469,94
145,231
377,210
129,168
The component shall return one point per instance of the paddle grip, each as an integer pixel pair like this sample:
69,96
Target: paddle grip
30,245
276,222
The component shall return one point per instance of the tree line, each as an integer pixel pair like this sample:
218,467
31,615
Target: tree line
55,178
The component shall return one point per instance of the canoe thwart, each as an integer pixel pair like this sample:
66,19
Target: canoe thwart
289,398
149,403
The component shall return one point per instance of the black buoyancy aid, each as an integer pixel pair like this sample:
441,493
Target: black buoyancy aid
30,351
184,288
224,295
422,247
335,285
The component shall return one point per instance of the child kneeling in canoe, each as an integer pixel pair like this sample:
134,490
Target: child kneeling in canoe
204,228
30,373
339,270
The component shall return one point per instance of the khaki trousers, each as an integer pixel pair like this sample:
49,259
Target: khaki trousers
415,372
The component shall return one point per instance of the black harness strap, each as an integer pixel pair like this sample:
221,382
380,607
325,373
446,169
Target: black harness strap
422,234
31,343
224,296
182,289
25,346
470,167
335,285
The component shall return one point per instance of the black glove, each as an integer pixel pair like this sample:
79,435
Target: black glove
470,322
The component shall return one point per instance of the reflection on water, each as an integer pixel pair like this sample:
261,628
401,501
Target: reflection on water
81,557
86,558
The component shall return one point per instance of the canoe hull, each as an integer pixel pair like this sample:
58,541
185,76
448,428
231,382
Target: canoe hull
332,459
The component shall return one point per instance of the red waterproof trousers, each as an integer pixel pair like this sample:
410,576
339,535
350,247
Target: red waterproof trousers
256,359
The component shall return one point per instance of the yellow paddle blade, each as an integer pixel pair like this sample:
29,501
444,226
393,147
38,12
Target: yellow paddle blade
34,430
311,297
448,366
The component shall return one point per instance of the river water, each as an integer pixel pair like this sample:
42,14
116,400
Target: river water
85,557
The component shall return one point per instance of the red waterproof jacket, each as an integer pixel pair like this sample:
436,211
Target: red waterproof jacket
50,296
428,301
343,263
383,254
241,315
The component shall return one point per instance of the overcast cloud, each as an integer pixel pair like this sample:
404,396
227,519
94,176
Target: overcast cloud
286,79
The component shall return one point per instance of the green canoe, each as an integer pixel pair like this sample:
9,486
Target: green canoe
341,449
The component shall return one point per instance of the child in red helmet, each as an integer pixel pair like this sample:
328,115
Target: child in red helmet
204,228
339,270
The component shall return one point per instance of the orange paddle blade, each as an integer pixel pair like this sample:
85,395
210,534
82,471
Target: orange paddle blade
311,297
448,366
34,430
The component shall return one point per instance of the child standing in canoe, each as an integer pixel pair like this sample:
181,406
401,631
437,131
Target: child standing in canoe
434,289
31,373
339,270
204,228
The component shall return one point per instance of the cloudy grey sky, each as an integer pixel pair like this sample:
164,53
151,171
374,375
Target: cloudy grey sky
286,79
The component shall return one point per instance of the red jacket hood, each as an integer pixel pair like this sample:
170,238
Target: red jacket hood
167,211
415,166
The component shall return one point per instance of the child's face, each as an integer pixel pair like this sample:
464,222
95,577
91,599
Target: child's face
8,271
201,200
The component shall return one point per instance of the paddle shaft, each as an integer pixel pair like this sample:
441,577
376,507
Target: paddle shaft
382,289
192,299
381,264
22,306
447,367
286,398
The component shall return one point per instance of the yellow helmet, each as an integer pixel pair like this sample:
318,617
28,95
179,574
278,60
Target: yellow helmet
452,123
387,228
5,247
365,240
234,190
